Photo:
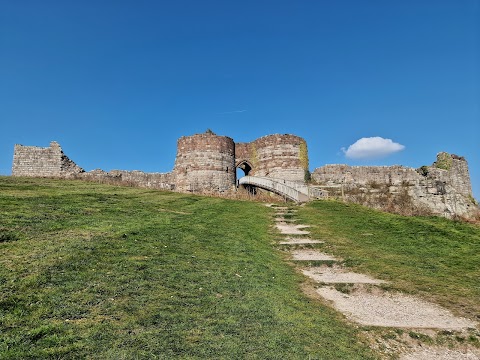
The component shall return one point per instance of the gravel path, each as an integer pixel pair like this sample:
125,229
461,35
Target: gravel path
394,310
300,241
442,354
337,275
291,229
311,255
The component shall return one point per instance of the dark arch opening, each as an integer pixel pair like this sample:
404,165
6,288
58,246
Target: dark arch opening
245,167
242,169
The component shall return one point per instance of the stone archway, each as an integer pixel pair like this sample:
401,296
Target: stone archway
245,166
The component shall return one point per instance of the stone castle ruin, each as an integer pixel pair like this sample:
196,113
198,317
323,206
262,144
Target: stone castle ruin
208,163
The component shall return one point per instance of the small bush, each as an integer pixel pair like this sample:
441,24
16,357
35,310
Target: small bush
307,176
423,170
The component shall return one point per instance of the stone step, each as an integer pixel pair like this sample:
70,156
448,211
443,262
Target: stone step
290,229
300,241
392,310
311,255
283,220
338,275
286,212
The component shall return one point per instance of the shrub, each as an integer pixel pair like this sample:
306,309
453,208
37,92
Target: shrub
423,170
308,176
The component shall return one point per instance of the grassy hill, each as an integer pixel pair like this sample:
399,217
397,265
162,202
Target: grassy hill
103,272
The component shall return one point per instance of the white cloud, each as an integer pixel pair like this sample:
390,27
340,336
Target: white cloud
372,147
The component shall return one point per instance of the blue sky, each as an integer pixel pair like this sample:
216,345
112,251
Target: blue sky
116,83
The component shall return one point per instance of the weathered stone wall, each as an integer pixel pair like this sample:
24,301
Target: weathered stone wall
276,156
165,181
205,163
443,188
363,175
36,161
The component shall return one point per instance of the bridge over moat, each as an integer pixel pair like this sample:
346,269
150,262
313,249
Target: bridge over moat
291,190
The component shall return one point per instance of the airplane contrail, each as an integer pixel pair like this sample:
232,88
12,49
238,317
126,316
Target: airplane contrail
232,112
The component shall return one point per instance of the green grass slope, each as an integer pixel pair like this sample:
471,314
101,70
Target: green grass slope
436,258
101,272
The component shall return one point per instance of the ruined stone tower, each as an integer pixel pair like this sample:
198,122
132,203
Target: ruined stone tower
453,170
276,156
205,163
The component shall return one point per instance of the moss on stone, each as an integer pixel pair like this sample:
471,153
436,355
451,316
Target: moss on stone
303,155
444,161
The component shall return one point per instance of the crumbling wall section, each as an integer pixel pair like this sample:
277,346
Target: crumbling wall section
455,172
205,163
34,161
443,188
